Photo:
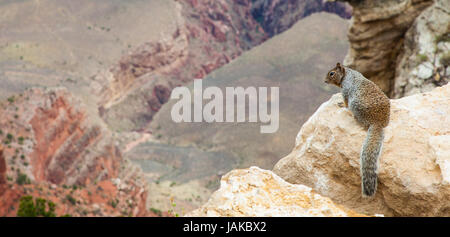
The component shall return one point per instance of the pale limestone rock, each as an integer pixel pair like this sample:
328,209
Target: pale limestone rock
414,168
258,192
426,42
424,71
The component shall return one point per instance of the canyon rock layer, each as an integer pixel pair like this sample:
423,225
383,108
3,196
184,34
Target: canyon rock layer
51,149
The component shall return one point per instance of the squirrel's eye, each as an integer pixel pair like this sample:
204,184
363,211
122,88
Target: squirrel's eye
331,74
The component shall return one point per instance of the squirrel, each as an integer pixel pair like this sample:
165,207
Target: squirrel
371,108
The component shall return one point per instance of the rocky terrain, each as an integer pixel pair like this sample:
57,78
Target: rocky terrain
52,150
94,134
278,15
414,166
199,153
257,192
403,46
397,44
424,60
64,43
414,169
100,60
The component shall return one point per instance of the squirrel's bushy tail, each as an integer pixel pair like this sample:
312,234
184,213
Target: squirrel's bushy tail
370,152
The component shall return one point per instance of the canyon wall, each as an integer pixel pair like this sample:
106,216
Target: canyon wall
52,150
402,45
279,15
423,62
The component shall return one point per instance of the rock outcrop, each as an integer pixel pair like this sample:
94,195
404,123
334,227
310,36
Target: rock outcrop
390,38
423,62
257,192
414,171
53,150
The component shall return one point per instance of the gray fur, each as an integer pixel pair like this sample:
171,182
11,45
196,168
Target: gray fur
371,108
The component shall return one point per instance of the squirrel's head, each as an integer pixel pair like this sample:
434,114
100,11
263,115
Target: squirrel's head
335,75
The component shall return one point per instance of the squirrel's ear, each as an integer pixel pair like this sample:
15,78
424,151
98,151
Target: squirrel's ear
342,70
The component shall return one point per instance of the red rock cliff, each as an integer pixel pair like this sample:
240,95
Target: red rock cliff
54,151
